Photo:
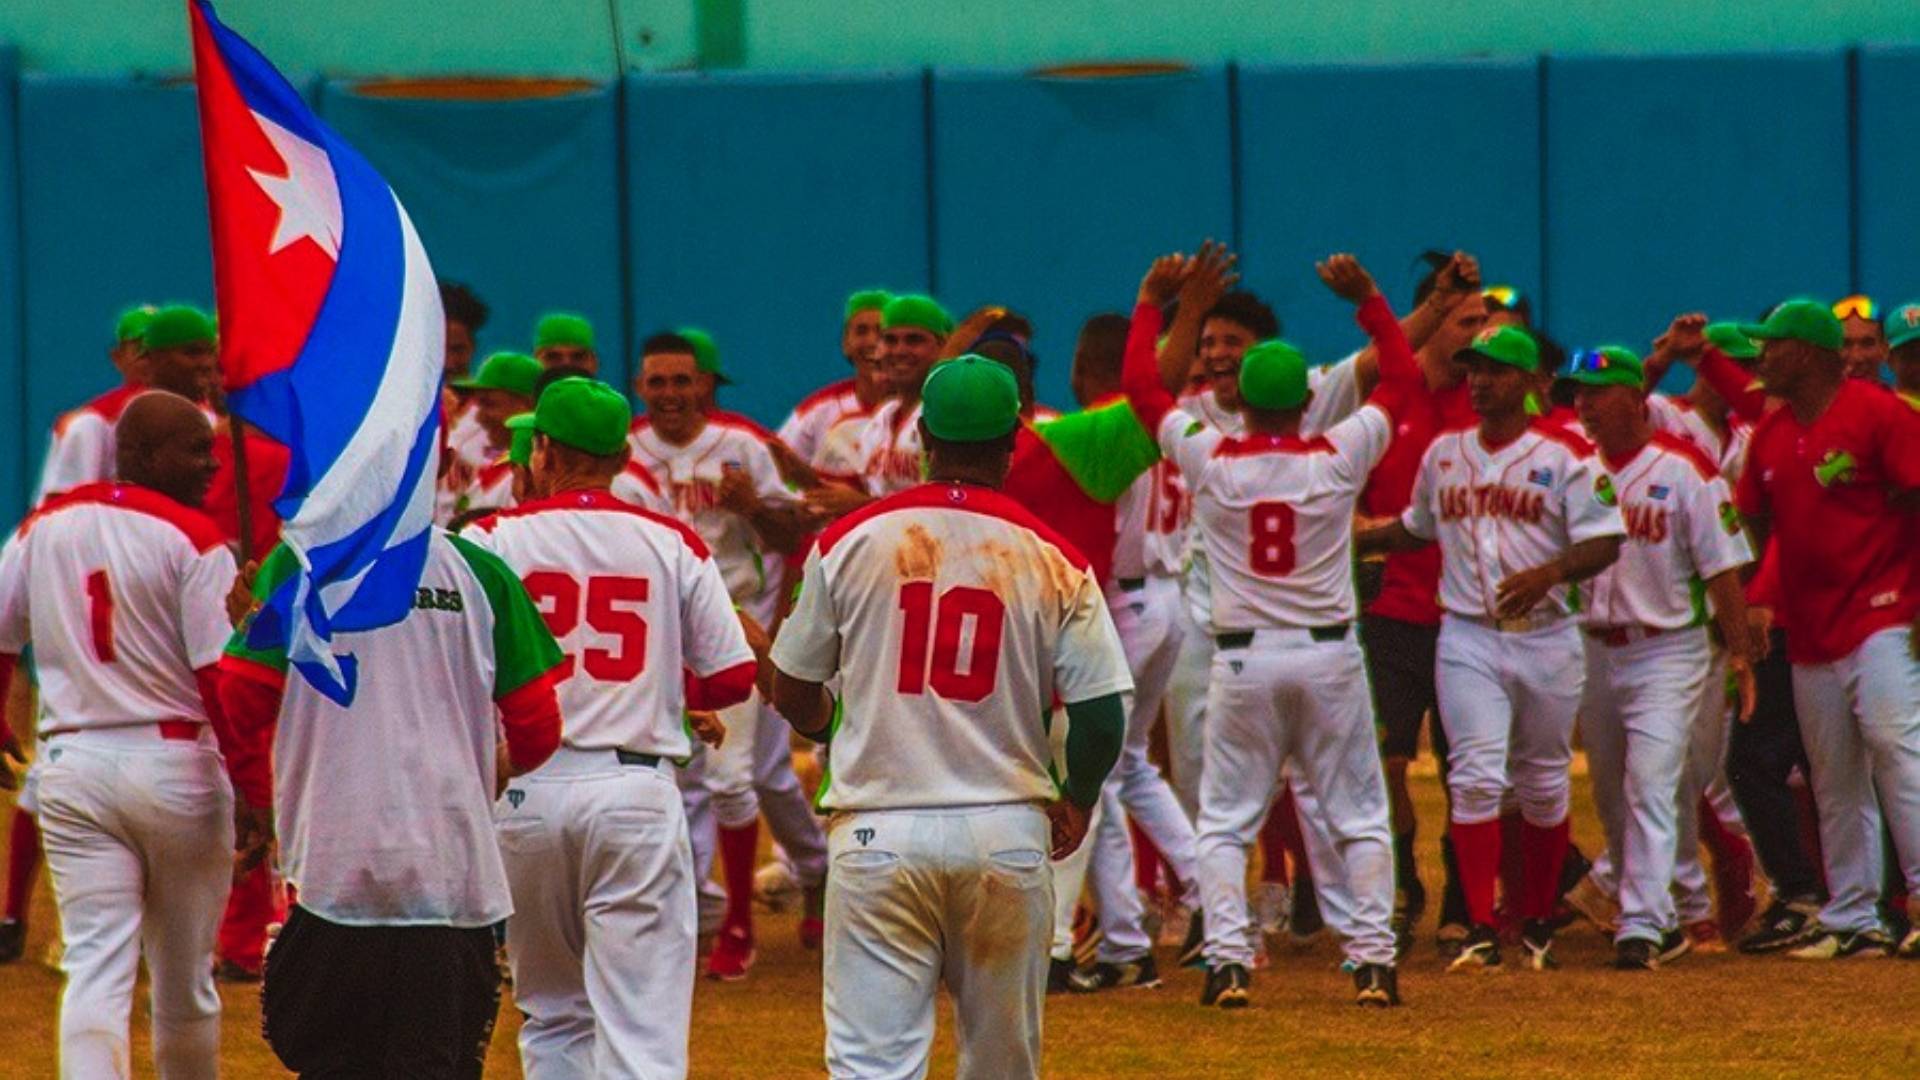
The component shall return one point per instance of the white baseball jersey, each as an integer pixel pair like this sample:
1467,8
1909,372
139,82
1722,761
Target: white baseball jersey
806,427
1336,394
637,486
838,455
468,441
1682,530
890,449
81,450
955,620
1496,512
690,477
123,593
1151,524
1275,516
632,597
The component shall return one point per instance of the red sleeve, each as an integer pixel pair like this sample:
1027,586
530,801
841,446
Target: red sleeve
530,716
722,688
244,706
1763,590
1140,371
1734,383
1397,364
1748,494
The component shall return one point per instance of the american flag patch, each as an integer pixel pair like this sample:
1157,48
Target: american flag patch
1542,477
1659,491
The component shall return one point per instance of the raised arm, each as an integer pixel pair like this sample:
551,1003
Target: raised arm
1210,274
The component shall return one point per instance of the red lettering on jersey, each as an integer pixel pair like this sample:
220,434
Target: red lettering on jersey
1492,500
1646,524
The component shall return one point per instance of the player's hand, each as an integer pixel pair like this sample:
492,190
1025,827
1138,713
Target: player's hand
1456,280
1684,339
1210,274
735,491
1522,592
960,342
1760,631
707,727
1746,691
830,502
253,836
1069,827
793,469
240,602
1349,280
1164,279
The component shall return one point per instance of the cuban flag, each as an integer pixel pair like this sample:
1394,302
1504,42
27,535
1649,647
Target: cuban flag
331,342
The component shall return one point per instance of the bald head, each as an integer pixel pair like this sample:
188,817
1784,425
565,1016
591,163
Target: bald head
164,442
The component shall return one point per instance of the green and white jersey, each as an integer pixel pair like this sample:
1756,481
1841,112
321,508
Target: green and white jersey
385,807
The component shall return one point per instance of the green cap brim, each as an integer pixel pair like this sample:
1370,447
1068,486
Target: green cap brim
1470,354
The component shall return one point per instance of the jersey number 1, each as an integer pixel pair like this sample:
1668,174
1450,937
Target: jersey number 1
558,597
100,615
944,627
1271,526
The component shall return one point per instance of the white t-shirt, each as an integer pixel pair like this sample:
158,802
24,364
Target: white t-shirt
889,451
1682,530
122,592
1275,516
690,477
1497,512
806,427
385,806
955,620
633,598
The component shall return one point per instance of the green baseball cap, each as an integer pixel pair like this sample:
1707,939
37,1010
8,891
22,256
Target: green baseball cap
1273,375
866,300
915,309
706,354
971,399
132,323
1507,345
520,445
1902,324
1608,365
175,325
1799,320
516,373
585,414
1726,337
562,328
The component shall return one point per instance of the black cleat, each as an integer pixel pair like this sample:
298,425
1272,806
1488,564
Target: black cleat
1674,944
1196,943
1636,954
1141,974
1786,924
13,940
1377,985
1060,975
1536,937
1479,951
1845,945
1226,987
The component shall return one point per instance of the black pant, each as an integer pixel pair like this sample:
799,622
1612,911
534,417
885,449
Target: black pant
380,1001
1761,755
1400,671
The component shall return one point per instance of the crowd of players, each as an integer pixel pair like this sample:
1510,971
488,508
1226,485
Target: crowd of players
1458,528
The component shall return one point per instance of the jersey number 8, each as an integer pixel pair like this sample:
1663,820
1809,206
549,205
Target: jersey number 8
558,597
1271,527
945,626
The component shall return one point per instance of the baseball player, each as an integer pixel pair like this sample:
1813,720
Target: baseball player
913,329
1903,354
954,619
81,449
723,482
805,430
1274,513
1832,477
504,386
1649,664
121,587
595,841
1863,341
563,339
1520,511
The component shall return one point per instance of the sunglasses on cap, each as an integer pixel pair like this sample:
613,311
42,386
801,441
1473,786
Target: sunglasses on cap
1859,305
1505,295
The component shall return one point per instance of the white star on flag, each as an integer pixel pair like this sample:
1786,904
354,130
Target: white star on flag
308,198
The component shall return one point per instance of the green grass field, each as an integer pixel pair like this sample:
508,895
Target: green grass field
1722,1015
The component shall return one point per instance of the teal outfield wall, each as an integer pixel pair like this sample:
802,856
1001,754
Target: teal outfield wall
1615,191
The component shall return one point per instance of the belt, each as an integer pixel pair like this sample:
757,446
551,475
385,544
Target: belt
1519,624
632,757
1240,639
1617,636
1130,584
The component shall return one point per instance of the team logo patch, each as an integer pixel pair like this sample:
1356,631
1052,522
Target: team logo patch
1838,467
1236,665
1659,491
515,797
1193,429
865,836
1603,490
1729,518
426,599
956,495
1540,477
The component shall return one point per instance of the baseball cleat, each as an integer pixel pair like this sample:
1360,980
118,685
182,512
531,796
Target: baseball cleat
1479,951
13,940
1377,985
1636,954
1705,935
1226,987
1272,907
1786,924
1451,937
1059,975
733,955
1910,947
1844,945
1141,974
1190,950
1593,904
1675,944
1536,937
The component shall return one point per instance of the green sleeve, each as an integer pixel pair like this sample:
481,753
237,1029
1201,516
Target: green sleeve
523,647
1095,731
1104,448
280,565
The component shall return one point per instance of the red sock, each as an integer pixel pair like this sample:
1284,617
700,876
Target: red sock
739,848
1476,849
1273,846
23,864
1513,882
1542,850
243,928
1146,860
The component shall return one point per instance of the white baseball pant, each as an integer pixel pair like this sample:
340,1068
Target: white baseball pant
751,775
919,899
1104,860
602,934
703,837
1187,709
1860,720
138,832
1637,716
1287,698
1508,701
1340,908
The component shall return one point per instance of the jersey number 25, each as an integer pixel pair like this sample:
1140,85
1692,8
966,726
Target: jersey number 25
944,623
558,597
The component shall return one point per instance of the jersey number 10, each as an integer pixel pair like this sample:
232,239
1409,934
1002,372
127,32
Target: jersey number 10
558,597
944,623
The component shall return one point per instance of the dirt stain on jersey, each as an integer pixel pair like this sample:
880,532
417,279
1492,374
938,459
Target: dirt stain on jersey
918,556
